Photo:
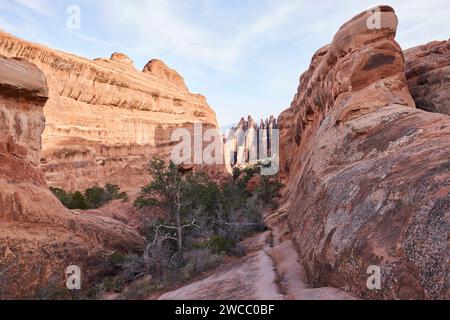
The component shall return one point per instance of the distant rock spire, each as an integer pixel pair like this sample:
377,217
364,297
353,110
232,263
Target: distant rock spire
252,141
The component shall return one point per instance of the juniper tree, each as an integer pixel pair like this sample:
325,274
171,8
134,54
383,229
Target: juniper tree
174,193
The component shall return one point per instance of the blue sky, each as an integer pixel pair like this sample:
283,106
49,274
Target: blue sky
245,56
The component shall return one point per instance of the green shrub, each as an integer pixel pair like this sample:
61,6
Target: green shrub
221,245
63,196
113,284
112,192
93,292
268,190
236,173
78,201
92,198
199,261
203,221
116,260
96,197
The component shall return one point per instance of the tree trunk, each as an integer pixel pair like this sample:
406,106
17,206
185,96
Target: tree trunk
179,227
180,240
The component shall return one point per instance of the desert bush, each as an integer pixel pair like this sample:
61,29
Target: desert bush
162,260
252,213
199,261
268,190
116,260
112,284
133,267
183,197
112,192
71,200
78,201
95,197
221,244
52,289
92,198
236,173
216,243
204,221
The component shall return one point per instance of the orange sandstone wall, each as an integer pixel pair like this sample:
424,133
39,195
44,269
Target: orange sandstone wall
104,118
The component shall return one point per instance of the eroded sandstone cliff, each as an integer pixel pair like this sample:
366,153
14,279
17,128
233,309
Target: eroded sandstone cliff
39,238
105,119
367,174
428,74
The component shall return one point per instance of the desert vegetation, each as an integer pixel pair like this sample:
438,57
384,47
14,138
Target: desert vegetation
91,198
201,224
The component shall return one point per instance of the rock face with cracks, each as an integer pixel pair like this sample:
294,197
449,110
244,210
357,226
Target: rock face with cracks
367,174
39,238
428,74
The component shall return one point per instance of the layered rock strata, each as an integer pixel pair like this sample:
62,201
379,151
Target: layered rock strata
39,238
105,119
367,174
428,74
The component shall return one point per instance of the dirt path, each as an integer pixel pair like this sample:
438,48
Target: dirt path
270,271
252,277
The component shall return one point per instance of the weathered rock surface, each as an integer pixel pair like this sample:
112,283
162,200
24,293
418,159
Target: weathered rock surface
121,58
428,74
105,119
367,174
161,71
39,238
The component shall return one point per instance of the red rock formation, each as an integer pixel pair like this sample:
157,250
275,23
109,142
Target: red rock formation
428,74
121,58
39,238
368,174
105,119
160,70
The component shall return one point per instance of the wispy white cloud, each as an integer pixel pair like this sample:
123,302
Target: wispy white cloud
264,47
160,27
267,27
40,7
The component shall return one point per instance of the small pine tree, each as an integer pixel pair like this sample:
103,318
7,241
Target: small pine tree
173,192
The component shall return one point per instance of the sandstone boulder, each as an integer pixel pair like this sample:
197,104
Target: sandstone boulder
367,174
